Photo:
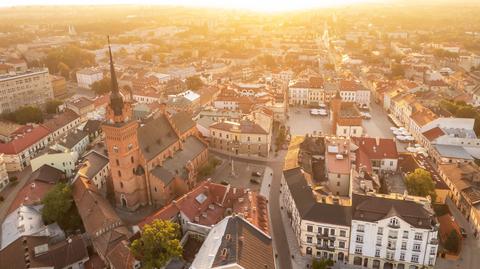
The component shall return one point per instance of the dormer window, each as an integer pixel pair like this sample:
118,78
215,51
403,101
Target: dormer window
394,222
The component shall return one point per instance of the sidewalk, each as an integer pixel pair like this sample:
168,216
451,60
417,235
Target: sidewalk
299,261
266,182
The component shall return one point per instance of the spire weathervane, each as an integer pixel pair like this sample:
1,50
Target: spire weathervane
116,99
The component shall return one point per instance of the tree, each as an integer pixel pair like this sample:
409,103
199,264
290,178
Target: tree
321,264
102,86
159,242
52,106
452,243
64,70
194,83
420,183
23,115
58,207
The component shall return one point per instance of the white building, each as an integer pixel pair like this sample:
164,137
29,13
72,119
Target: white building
392,233
62,160
322,230
87,76
353,91
96,168
28,88
3,173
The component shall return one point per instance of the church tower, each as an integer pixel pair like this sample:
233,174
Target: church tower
121,139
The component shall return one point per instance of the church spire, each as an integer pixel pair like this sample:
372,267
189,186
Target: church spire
116,99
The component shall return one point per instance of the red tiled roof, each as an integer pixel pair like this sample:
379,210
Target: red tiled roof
433,133
218,198
349,85
377,148
25,136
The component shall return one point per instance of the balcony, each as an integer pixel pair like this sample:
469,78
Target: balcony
360,230
393,226
392,247
379,244
393,236
325,236
325,247
433,241
416,250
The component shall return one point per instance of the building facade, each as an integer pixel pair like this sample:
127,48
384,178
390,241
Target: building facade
29,88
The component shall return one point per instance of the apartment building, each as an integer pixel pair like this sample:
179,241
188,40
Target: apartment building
29,88
87,76
3,174
388,232
322,230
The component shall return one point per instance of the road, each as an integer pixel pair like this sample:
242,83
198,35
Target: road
278,232
469,256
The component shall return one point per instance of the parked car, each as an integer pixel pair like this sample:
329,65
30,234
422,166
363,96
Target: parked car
463,232
256,174
254,181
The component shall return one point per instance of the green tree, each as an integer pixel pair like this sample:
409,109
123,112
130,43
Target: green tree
26,114
64,70
58,207
159,242
194,83
452,243
420,183
102,86
52,106
321,263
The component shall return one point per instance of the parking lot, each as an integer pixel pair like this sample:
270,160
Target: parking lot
301,122
242,174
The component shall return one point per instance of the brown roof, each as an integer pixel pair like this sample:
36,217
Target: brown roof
247,246
377,148
423,117
60,120
99,218
246,127
23,138
57,256
433,133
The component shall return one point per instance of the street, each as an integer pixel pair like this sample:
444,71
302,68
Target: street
469,256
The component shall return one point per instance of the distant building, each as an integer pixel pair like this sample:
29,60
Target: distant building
346,118
86,77
82,106
29,88
59,86
96,168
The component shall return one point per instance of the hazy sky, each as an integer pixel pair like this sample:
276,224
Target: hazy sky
260,5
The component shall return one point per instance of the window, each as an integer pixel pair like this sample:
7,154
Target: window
319,230
121,184
433,251
430,260
361,228
404,245
338,184
117,162
119,173
259,139
394,222
341,244
414,258
379,240
309,250
338,175
377,252
416,247
380,230
418,236
405,234
309,239
358,249
332,231
343,233
402,256
359,239
131,159
309,228
248,138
